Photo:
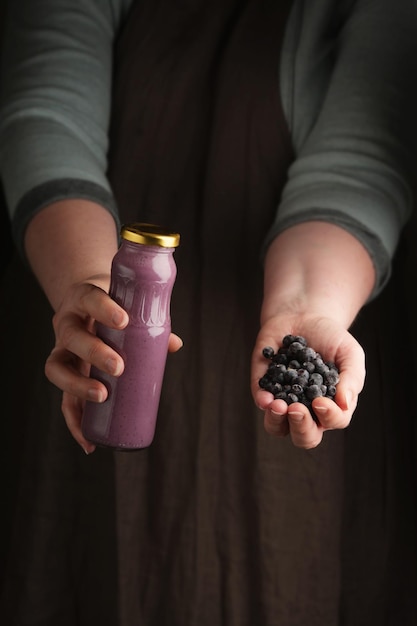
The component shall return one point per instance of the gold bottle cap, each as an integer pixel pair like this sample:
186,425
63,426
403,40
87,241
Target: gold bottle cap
150,234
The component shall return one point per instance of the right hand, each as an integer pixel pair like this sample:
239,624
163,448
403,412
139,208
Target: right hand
77,348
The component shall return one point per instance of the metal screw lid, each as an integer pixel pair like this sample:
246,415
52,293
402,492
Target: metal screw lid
150,234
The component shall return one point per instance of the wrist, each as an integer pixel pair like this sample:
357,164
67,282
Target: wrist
71,242
317,269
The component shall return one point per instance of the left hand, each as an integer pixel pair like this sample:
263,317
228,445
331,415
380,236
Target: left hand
335,344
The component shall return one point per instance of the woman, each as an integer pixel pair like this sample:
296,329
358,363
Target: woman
277,139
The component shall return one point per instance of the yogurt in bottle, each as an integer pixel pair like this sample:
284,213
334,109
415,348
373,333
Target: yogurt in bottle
142,278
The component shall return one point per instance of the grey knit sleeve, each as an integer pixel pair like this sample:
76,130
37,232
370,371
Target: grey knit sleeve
55,103
348,84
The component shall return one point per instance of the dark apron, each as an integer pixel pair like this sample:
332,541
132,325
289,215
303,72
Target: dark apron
217,523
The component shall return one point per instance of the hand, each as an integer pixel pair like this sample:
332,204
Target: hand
77,348
335,344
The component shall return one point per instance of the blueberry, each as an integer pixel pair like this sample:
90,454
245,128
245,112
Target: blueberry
315,379
264,382
287,340
331,391
275,375
321,366
290,375
301,340
281,396
292,397
277,388
301,380
308,354
280,357
268,352
294,365
276,368
309,366
331,377
303,373
297,389
295,349
313,391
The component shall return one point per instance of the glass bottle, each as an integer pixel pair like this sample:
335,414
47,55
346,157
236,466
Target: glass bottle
142,278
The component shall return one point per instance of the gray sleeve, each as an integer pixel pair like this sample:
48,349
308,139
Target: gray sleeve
55,103
351,103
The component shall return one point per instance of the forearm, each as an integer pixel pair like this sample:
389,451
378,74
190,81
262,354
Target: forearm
319,269
68,242
351,112
54,123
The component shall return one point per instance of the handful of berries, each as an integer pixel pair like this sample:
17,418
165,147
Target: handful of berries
297,373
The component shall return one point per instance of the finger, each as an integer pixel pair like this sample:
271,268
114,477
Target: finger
347,392
352,376
330,415
175,343
72,409
64,371
275,419
304,431
100,306
263,399
73,337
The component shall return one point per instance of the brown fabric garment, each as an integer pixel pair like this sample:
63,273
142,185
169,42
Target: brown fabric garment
379,540
216,523
58,557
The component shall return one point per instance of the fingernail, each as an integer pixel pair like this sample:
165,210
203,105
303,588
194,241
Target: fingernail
118,317
321,409
88,448
348,398
95,395
113,366
277,414
296,416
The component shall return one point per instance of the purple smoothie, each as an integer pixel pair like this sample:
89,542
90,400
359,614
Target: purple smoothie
143,275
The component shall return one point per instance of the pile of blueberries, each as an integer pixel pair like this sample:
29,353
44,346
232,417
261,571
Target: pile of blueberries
297,373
